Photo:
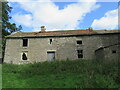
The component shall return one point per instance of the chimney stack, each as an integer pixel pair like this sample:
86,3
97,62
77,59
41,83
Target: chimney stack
90,29
43,28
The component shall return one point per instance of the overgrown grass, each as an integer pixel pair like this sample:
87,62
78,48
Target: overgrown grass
0,76
62,74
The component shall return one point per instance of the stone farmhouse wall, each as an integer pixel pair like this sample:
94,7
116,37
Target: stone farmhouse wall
65,47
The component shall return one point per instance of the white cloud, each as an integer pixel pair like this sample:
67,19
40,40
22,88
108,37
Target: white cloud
63,1
108,21
48,14
25,20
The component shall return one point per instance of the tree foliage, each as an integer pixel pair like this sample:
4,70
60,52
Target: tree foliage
7,26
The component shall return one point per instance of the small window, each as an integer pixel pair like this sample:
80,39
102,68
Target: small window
24,56
80,56
25,42
113,51
79,42
80,53
50,41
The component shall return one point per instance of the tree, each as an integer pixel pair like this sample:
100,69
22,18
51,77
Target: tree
7,26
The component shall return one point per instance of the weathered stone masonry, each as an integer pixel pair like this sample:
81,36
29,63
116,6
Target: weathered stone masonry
62,46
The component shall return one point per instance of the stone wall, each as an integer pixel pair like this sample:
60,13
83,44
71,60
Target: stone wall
111,53
64,47
110,44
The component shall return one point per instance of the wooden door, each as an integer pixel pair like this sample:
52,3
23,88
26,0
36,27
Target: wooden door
51,56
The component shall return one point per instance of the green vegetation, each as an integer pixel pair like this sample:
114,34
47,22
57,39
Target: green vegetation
0,76
62,74
6,27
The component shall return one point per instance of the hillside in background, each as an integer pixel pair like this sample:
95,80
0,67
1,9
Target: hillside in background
62,74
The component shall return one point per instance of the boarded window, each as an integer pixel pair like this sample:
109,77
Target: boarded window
79,42
24,56
25,42
50,41
80,53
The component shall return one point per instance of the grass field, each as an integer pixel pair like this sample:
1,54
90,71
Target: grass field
62,74
0,76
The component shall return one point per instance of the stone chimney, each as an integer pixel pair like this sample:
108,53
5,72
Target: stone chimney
90,29
43,28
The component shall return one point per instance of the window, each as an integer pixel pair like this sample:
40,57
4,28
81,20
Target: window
80,53
25,42
113,51
79,42
50,41
24,56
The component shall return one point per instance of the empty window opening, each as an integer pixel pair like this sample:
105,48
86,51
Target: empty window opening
80,53
50,41
79,42
80,56
25,42
113,51
24,56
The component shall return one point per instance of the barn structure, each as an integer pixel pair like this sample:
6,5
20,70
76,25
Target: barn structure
30,47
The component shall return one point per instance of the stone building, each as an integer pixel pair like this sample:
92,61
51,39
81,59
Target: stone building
30,47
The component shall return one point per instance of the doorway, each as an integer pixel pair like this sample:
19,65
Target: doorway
51,56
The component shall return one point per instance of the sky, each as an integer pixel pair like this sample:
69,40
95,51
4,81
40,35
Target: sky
67,15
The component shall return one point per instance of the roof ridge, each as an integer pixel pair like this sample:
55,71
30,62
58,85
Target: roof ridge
54,31
69,30
59,33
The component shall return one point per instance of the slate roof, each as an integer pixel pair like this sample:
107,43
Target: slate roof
60,33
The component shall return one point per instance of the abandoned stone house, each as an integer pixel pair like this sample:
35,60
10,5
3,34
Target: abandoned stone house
30,47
